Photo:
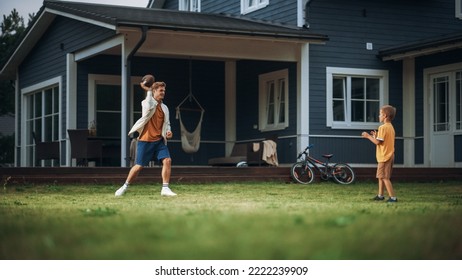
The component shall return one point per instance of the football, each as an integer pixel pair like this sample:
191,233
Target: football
148,80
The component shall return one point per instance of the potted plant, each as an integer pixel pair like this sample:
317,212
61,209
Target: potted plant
92,128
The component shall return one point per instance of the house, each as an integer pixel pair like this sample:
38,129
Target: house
308,71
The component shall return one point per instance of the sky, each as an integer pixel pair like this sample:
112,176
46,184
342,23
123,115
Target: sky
26,7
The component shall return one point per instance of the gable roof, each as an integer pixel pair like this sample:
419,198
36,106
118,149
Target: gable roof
113,17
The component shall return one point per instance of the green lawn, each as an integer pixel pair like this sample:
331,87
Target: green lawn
322,221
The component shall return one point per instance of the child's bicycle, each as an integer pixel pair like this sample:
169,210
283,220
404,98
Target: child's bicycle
302,170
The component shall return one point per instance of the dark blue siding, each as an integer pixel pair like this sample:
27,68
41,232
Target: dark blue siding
220,6
171,5
352,24
351,150
281,11
248,105
48,58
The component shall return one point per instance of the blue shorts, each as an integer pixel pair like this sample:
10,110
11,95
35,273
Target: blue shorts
147,151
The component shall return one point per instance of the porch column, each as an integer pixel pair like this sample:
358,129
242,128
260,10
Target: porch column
124,118
71,106
303,98
409,112
230,105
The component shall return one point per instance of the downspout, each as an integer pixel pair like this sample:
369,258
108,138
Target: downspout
126,145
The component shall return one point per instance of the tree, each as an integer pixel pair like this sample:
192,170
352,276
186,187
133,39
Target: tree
12,29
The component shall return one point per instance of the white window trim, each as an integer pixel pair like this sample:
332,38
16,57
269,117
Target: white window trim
458,10
245,9
428,74
347,124
262,119
94,80
56,81
183,7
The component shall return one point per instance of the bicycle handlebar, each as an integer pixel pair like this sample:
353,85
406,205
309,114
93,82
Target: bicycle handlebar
305,151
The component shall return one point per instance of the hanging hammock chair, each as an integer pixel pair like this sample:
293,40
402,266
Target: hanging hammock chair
190,141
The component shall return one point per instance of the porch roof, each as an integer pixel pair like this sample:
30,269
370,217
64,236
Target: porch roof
429,46
114,17
181,20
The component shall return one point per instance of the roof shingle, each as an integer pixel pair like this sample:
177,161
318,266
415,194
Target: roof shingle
180,20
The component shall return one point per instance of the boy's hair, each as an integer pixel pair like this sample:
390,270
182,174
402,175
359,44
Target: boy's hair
158,85
389,111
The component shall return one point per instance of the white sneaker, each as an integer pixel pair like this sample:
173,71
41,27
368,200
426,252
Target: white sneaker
121,190
167,192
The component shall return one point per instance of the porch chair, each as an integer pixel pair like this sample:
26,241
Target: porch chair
83,149
45,150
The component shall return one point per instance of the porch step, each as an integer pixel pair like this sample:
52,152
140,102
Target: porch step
117,175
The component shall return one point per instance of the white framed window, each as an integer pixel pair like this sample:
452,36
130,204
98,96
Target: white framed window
248,6
458,9
458,101
104,103
447,101
190,5
354,97
42,117
274,100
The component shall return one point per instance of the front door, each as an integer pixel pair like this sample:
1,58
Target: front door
442,115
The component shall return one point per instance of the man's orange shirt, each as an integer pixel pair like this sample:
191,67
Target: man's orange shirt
153,129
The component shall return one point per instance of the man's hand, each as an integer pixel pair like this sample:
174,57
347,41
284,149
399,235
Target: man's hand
169,134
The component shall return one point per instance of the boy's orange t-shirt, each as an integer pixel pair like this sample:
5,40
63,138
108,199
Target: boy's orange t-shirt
386,149
153,129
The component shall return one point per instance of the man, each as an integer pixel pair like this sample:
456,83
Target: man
154,130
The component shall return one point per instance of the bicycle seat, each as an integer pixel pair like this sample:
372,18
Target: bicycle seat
328,156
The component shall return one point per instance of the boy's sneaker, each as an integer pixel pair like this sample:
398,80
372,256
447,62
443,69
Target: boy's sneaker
378,198
392,200
121,190
167,192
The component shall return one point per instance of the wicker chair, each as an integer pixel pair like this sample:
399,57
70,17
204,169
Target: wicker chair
83,149
45,150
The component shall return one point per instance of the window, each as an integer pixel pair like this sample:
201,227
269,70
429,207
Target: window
274,100
447,101
248,6
458,100
105,103
42,118
108,104
190,5
459,9
354,97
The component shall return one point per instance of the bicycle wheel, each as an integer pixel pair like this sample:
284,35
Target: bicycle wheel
302,173
343,173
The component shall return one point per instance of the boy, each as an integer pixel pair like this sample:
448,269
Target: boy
384,140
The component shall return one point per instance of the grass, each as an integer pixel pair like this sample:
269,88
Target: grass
263,221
